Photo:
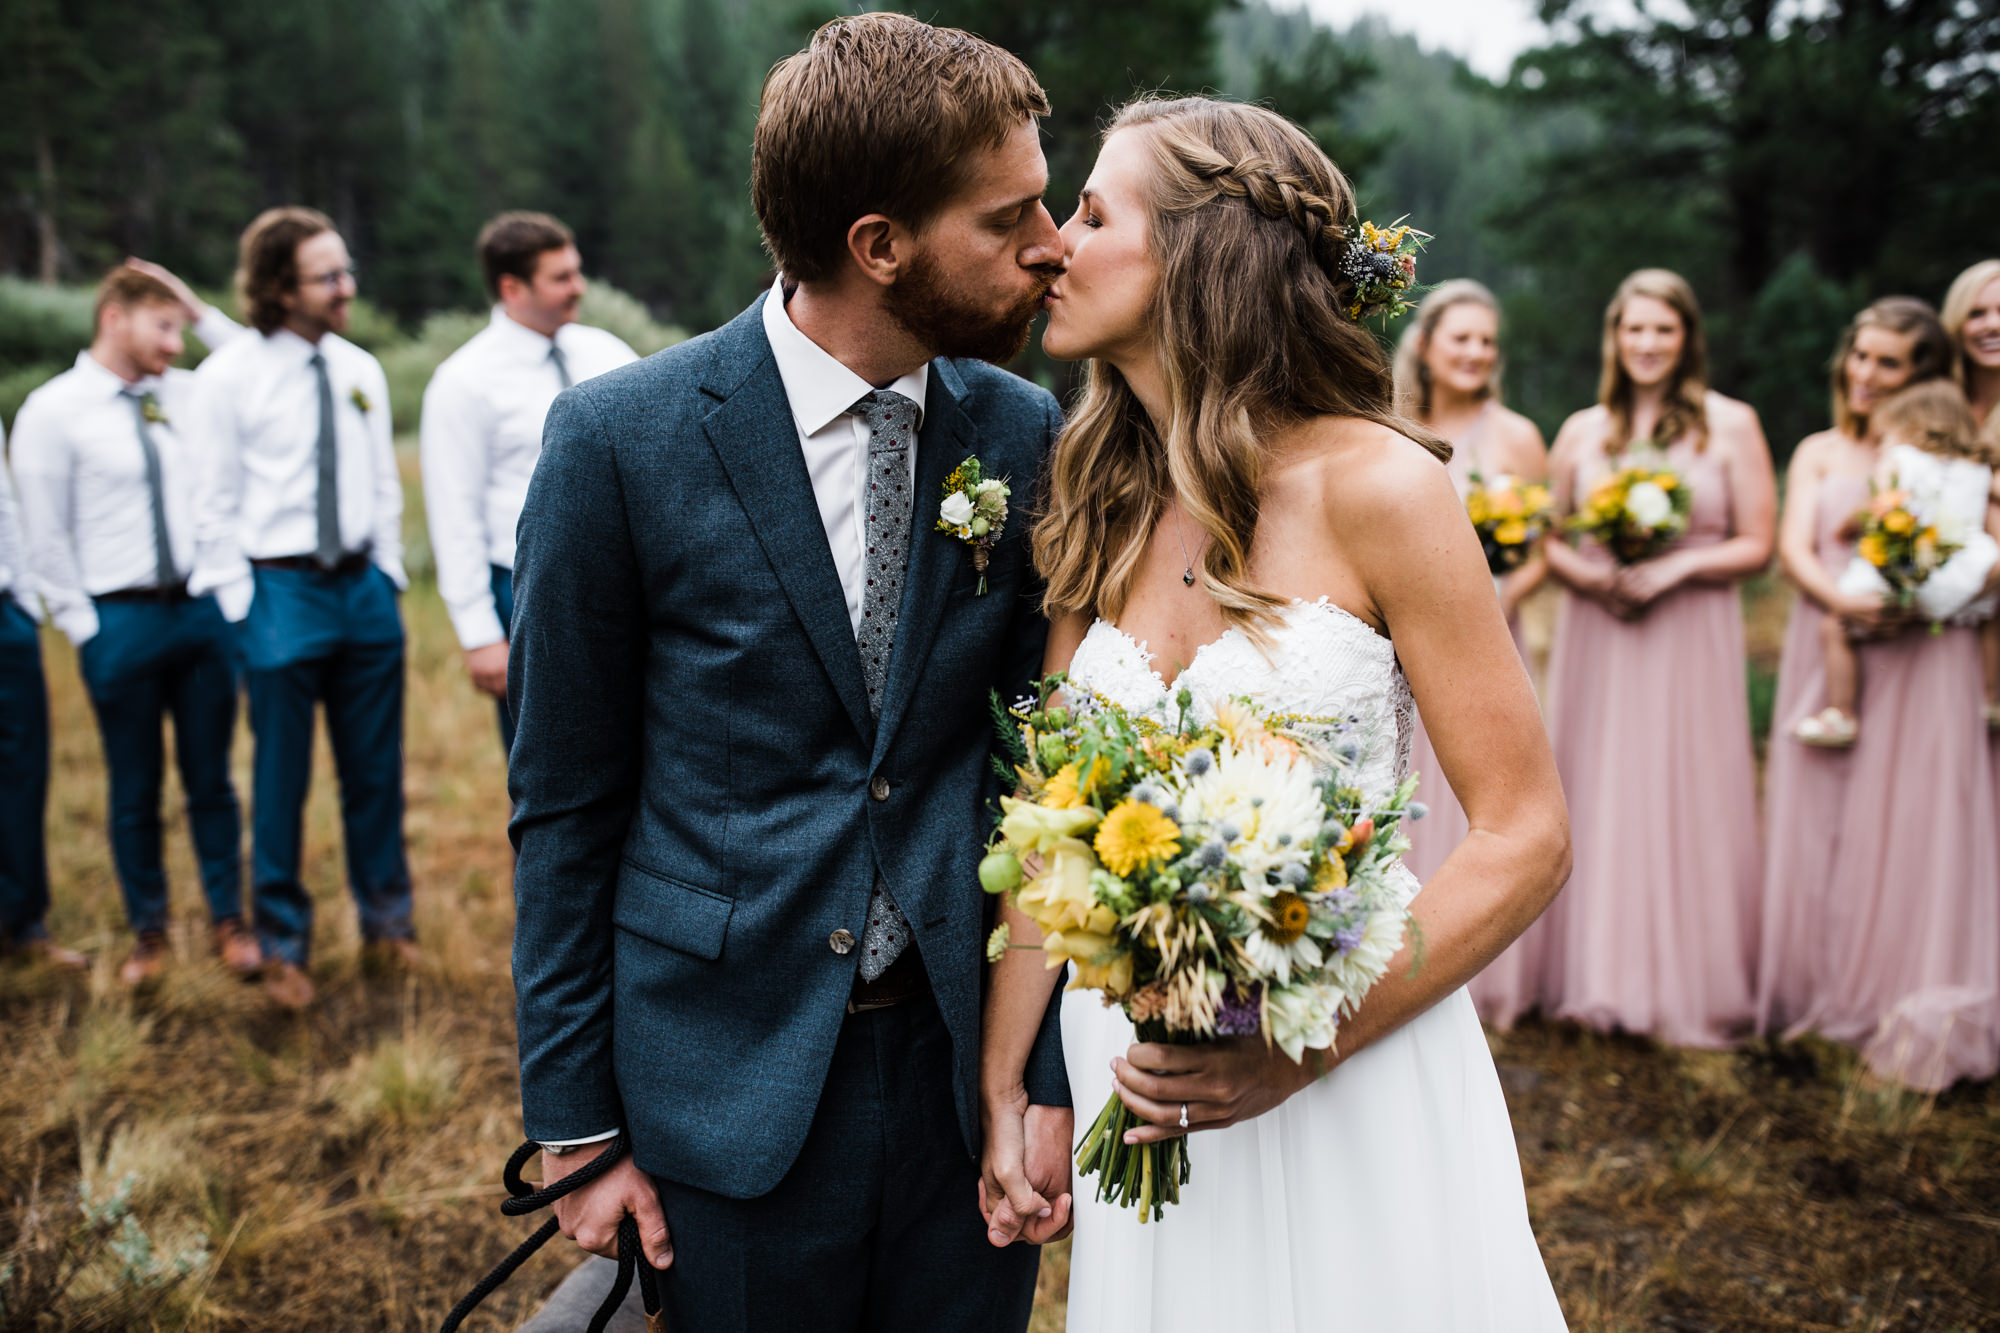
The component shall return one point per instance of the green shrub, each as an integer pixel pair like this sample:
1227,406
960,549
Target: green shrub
18,382
42,324
614,311
408,365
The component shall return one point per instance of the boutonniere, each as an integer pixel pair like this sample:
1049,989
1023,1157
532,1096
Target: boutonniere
975,512
360,401
150,409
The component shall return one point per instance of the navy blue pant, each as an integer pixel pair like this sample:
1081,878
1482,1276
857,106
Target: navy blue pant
149,659
875,1228
337,640
503,602
24,778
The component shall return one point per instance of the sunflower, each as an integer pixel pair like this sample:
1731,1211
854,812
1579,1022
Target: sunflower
1136,834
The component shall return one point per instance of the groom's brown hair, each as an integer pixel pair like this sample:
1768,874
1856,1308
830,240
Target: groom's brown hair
879,114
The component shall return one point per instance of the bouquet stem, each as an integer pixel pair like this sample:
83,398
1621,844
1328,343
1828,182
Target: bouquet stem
1147,1174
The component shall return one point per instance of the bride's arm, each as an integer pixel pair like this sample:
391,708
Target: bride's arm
1426,581
1025,1168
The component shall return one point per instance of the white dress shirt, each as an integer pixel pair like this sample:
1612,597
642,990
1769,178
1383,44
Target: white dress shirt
13,549
86,507
482,432
256,414
822,393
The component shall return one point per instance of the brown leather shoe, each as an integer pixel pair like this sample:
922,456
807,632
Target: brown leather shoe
50,954
288,985
237,947
147,961
378,956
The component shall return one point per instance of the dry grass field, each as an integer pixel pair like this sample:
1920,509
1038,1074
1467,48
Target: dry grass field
189,1159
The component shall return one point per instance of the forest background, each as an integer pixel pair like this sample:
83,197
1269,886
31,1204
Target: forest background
1793,159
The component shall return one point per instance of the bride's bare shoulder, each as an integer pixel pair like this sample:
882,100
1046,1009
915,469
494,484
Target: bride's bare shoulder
1362,472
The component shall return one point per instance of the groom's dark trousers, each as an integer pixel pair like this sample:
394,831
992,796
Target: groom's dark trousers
703,801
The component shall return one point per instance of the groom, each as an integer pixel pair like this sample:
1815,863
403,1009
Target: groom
751,674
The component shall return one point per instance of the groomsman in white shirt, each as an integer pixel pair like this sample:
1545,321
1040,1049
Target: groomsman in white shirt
299,535
106,474
482,428
24,758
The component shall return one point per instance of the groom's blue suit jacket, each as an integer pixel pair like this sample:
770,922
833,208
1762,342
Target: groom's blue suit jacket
696,774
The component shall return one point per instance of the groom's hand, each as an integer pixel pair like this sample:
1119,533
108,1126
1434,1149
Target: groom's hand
590,1216
1024,1177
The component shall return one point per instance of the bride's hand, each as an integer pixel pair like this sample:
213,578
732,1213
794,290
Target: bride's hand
1221,1083
1026,1164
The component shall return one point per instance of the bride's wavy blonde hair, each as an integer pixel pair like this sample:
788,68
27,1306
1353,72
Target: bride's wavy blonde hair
1248,222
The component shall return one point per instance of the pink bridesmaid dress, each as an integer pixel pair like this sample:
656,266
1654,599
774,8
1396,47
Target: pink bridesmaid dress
1507,988
1656,931
1908,968
1804,788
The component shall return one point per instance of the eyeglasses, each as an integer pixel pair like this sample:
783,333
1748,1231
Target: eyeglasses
332,280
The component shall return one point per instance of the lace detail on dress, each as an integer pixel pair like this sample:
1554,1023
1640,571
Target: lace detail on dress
1322,661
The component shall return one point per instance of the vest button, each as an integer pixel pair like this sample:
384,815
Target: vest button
841,941
879,788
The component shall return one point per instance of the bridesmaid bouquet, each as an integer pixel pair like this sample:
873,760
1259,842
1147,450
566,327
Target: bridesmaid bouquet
1216,880
1510,516
1635,513
1901,545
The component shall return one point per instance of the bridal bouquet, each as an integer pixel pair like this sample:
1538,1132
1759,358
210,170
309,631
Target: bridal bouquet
1902,545
1510,516
1217,880
1636,512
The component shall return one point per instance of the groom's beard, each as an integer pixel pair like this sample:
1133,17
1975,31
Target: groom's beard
951,324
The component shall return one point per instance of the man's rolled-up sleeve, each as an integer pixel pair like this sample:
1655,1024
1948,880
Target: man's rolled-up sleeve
576,681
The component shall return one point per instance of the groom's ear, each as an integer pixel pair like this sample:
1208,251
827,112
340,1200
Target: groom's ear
880,247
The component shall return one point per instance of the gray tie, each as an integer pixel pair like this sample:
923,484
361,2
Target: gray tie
163,550
892,434
327,504
562,366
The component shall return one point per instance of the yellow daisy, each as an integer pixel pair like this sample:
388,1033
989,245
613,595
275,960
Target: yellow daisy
1134,835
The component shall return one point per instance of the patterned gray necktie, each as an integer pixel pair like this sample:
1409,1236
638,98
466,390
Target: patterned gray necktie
327,503
562,366
892,435
164,573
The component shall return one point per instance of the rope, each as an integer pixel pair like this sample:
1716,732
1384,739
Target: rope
524,1198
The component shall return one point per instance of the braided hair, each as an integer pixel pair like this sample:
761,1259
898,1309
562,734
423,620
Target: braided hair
1249,223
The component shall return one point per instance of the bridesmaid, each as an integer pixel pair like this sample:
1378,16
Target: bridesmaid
1907,959
1971,319
1893,343
1448,378
1648,714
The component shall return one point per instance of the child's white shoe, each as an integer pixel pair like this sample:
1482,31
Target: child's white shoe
1830,729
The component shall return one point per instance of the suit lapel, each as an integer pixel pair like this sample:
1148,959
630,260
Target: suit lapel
947,438
753,433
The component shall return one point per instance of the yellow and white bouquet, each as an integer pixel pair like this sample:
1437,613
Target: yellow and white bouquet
1511,517
1901,544
1636,512
1224,879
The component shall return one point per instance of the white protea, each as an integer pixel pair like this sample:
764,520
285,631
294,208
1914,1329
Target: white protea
1302,1017
1274,957
1261,803
1354,971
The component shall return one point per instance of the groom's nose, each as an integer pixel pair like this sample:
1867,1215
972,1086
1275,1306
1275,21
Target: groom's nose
1044,248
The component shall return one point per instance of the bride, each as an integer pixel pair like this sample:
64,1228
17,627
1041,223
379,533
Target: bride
1233,508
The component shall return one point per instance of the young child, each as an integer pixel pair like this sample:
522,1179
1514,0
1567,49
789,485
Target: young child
1931,450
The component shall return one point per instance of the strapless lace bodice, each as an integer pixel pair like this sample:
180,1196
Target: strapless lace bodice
1322,662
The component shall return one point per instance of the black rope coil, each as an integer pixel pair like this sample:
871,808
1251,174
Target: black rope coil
525,1198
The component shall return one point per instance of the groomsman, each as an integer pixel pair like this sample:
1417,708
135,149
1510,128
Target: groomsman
482,428
24,758
107,481
299,527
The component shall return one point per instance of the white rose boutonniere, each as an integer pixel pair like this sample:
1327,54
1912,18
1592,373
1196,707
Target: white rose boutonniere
974,511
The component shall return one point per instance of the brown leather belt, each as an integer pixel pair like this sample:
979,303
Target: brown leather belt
171,592
904,979
351,563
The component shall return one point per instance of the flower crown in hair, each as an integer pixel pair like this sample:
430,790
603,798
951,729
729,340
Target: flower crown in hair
1381,262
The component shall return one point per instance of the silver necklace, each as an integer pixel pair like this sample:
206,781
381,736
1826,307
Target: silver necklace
1187,564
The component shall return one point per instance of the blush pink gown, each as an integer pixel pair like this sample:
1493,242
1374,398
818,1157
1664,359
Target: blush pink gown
1656,931
1804,788
1908,966
1507,988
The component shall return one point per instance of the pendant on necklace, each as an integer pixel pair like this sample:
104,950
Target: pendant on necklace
1187,579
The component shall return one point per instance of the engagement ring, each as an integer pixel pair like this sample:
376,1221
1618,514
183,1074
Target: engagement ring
1183,1115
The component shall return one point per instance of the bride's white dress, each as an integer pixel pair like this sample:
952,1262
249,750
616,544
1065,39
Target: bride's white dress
1386,1196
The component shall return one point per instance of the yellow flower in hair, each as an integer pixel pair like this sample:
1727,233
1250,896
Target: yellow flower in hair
1135,835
